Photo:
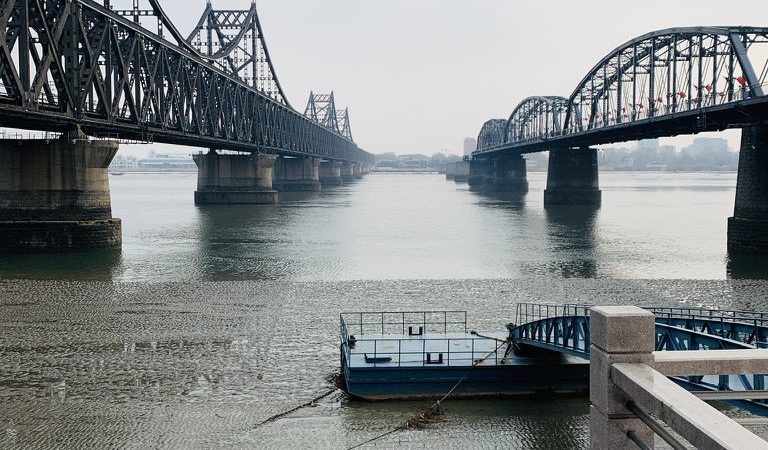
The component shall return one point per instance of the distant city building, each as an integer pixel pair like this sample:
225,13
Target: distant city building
704,146
704,154
158,163
413,161
470,145
168,162
648,145
121,163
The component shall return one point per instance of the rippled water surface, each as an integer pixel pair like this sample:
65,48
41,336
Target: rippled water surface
213,319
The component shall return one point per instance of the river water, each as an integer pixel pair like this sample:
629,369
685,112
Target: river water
212,319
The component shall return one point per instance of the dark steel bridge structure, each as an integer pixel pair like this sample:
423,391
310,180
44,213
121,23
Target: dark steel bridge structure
665,83
662,84
104,69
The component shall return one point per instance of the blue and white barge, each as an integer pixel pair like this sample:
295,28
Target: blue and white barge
426,354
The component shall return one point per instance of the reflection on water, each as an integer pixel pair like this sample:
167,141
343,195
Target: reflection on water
237,240
751,267
572,234
401,226
87,265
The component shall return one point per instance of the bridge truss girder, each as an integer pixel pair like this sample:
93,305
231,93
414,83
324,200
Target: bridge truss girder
492,133
67,63
536,117
342,120
234,42
671,71
664,83
321,109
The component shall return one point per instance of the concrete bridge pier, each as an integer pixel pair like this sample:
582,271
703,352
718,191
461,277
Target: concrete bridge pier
357,170
297,174
234,179
481,173
457,171
54,195
347,172
330,173
510,174
573,178
748,228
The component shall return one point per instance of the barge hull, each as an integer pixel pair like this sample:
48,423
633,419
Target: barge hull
481,381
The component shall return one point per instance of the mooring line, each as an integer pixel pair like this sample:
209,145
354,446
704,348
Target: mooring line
434,409
303,405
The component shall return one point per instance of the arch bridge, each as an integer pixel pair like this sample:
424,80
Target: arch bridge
664,83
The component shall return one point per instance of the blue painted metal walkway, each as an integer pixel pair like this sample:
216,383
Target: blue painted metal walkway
565,329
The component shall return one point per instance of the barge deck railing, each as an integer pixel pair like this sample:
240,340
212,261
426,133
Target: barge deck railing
415,339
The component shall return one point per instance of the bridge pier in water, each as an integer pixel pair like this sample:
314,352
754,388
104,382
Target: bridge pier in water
297,174
748,228
329,173
347,172
510,174
357,170
234,179
503,174
54,195
480,173
457,171
572,178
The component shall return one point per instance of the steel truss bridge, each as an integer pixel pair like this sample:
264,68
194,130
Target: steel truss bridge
97,67
665,83
565,329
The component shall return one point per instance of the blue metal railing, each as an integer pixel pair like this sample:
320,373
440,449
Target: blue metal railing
677,329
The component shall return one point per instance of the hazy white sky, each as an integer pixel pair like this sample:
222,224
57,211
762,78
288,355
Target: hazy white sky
421,75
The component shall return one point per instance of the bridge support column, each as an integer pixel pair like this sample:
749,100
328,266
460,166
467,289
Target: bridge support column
481,173
347,172
620,334
457,171
330,173
54,195
234,179
572,178
748,228
357,170
510,174
297,174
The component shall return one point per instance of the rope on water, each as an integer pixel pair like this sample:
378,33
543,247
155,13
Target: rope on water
434,411
303,405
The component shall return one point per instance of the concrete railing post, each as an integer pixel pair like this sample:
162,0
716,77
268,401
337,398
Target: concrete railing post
620,334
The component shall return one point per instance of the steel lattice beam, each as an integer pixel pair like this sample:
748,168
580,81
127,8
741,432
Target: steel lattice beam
76,63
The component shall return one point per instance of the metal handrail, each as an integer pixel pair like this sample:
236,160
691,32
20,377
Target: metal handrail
383,321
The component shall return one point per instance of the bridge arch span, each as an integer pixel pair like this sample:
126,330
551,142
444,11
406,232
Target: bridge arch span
671,71
536,117
492,133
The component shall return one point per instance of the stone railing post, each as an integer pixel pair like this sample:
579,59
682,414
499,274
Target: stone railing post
619,334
